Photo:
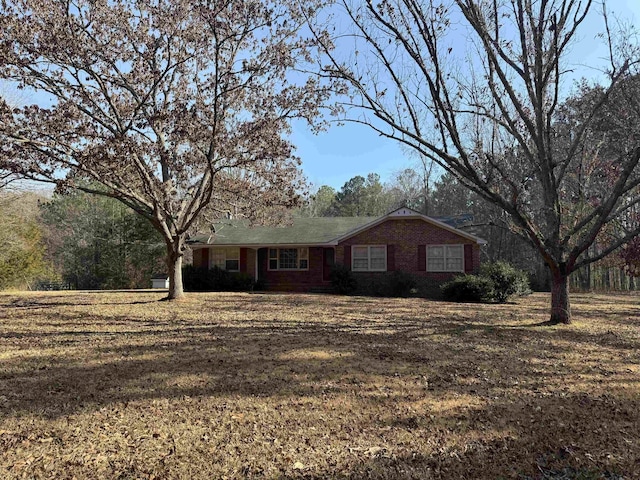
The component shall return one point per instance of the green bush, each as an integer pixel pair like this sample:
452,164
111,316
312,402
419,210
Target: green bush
468,288
496,283
241,282
342,280
201,279
507,280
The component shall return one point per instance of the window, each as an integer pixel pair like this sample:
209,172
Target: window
369,258
226,259
289,258
445,258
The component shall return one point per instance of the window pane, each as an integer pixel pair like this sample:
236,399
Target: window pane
304,253
233,254
288,258
454,264
273,264
304,263
437,252
360,264
454,251
218,258
378,264
273,253
377,258
435,264
360,252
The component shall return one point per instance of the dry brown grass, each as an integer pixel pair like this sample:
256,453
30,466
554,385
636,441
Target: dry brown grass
119,385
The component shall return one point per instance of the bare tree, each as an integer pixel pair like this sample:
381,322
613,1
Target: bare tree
475,86
170,106
414,186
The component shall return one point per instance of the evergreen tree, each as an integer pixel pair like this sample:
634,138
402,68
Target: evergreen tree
98,243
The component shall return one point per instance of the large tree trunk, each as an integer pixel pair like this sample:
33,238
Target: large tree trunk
560,308
174,264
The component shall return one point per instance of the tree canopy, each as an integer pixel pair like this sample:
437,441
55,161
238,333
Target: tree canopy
171,106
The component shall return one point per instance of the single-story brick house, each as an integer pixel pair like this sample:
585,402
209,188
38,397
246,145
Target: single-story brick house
299,257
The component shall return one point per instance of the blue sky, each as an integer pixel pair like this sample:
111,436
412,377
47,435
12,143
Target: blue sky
333,157
342,152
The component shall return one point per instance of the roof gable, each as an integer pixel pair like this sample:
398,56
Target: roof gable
405,212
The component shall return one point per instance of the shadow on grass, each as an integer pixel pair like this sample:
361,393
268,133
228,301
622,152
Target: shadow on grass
548,464
34,304
138,358
523,392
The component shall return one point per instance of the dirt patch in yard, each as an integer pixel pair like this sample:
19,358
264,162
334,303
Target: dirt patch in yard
119,385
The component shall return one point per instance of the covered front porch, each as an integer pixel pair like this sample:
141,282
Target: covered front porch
291,267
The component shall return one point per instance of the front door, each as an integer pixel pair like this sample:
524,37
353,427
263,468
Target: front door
328,260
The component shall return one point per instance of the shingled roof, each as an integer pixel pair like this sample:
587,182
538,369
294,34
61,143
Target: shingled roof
303,231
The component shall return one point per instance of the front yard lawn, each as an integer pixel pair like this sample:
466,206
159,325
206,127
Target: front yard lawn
222,385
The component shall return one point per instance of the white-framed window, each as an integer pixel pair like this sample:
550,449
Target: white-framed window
289,258
369,258
225,258
445,258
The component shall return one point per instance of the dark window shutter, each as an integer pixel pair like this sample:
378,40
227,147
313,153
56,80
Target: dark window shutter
204,262
347,256
468,258
391,258
422,258
243,260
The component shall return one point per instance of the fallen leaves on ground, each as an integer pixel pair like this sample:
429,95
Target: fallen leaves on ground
226,385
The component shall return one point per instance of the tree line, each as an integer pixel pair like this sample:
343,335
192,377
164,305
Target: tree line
77,241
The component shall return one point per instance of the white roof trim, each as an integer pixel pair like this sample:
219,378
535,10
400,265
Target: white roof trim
405,212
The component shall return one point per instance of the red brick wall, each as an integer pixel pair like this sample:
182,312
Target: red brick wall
298,280
405,235
476,257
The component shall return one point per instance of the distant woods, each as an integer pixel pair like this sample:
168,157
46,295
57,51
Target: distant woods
77,241
22,259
